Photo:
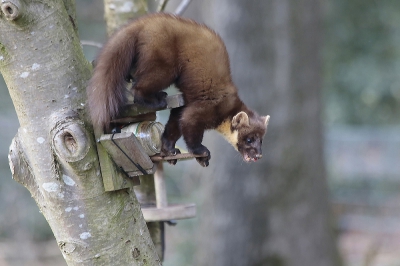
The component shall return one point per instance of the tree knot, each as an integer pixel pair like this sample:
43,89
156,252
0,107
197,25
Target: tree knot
70,139
11,9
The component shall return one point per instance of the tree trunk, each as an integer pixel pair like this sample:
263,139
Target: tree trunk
54,153
275,211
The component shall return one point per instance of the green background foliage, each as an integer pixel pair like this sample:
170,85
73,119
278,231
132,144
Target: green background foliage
362,62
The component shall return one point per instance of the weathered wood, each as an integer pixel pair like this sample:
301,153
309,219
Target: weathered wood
172,212
174,101
134,119
163,212
137,173
159,185
132,150
109,153
113,179
180,156
132,110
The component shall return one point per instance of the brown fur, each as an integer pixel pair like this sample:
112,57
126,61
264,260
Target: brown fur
164,49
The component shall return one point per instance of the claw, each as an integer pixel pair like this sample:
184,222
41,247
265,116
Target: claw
173,162
202,150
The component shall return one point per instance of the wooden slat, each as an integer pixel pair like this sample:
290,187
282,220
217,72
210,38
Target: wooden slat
132,148
135,119
132,110
181,156
137,173
174,101
113,179
172,212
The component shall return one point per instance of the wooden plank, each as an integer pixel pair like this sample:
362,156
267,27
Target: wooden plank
132,110
137,173
132,150
135,119
113,179
181,156
172,212
174,101
160,187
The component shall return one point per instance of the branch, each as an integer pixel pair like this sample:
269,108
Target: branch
162,5
20,169
182,7
91,43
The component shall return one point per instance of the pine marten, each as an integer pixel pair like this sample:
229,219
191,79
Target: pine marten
159,50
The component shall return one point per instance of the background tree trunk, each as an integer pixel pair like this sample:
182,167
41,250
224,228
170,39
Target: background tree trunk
53,155
117,14
275,211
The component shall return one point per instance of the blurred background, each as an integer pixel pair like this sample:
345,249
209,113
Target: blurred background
327,191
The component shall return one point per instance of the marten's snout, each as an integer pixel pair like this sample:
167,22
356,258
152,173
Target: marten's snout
257,156
250,148
252,155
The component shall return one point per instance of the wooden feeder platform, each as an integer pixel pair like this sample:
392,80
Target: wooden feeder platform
169,213
123,160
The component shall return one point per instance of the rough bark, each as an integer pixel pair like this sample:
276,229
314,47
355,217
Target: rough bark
275,211
54,155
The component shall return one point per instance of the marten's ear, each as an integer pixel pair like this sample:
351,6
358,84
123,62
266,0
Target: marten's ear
265,120
240,120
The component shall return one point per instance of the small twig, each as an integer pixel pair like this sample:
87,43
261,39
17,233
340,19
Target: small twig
145,6
90,43
182,7
162,5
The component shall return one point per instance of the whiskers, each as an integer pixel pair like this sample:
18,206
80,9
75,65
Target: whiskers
240,158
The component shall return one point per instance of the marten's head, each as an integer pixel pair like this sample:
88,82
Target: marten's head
250,134
246,133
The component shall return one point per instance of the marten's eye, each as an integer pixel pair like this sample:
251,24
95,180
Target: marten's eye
249,140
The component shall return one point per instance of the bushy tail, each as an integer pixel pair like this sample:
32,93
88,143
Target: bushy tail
107,87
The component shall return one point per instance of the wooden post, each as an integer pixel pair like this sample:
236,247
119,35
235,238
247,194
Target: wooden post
159,185
146,196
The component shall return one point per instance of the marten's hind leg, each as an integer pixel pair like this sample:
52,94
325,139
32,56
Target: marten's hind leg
150,83
156,100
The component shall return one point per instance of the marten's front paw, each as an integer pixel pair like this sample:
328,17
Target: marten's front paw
174,151
204,160
173,162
